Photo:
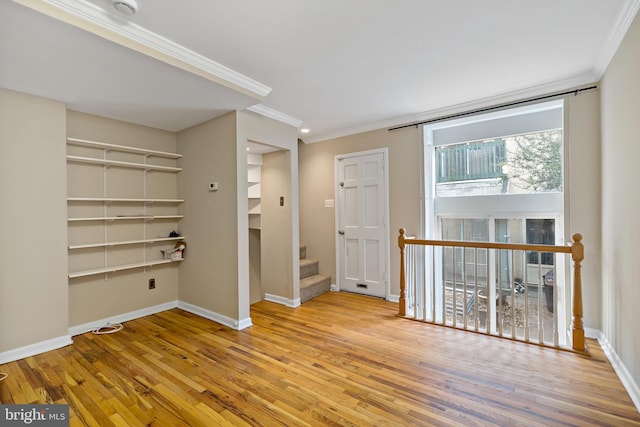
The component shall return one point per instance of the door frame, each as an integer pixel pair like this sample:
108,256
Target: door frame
336,186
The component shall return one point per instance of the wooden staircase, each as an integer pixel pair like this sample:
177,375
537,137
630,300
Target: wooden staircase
312,284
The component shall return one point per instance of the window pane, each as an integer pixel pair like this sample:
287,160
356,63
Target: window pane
469,229
534,162
520,164
541,232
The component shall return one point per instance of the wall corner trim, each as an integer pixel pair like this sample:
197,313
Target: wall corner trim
216,317
244,323
292,303
623,373
34,349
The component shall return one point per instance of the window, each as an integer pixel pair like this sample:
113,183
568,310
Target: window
498,177
507,162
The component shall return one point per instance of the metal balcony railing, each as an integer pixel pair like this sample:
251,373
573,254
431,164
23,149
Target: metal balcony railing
470,161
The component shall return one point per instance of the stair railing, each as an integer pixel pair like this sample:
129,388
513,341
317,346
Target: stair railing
461,284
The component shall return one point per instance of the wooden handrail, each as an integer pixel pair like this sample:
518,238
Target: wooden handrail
576,249
488,245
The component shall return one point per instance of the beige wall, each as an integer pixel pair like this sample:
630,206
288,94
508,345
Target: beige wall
316,180
255,267
98,297
316,165
583,200
33,221
216,273
257,128
208,275
276,271
621,203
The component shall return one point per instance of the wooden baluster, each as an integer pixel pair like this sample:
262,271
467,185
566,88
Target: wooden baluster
577,254
403,286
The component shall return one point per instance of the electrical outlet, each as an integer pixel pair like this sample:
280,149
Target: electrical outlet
152,283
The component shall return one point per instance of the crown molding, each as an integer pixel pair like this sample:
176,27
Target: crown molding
275,115
624,21
531,91
112,27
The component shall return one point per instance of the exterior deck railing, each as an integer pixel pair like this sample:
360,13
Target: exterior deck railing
492,288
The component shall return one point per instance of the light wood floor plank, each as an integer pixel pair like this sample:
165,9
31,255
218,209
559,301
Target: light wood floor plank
338,360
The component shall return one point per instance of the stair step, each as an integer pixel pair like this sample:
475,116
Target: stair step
308,267
303,252
312,286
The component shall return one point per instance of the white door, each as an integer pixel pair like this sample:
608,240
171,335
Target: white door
362,231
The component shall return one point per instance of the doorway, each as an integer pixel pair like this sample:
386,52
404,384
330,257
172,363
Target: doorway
362,243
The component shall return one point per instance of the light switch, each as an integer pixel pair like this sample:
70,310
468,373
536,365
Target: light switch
328,203
213,186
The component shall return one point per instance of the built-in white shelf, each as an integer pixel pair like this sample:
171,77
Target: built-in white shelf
254,221
122,148
119,163
254,176
116,218
121,200
126,242
115,268
113,179
254,206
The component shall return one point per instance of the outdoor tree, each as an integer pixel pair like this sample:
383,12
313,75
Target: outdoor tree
534,161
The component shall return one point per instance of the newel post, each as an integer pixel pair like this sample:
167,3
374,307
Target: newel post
577,327
403,285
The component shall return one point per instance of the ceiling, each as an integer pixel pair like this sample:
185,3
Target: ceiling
336,67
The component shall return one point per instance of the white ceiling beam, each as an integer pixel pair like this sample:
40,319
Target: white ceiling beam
109,26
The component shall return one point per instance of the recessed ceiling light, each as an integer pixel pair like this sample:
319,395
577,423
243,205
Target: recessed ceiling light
304,130
248,148
125,7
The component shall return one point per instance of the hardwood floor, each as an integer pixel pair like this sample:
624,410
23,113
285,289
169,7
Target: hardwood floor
340,359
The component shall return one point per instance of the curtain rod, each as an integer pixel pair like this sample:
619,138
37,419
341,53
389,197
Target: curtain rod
483,110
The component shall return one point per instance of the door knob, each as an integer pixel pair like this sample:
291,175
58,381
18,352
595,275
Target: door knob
341,232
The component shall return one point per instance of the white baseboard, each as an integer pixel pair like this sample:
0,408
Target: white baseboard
292,303
216,317
33,349
55,343
125,317
394,298
623,373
